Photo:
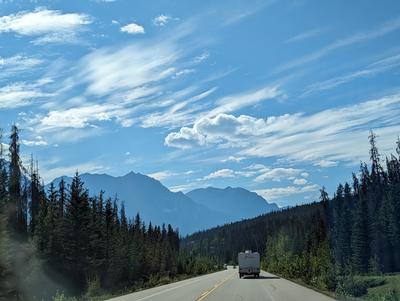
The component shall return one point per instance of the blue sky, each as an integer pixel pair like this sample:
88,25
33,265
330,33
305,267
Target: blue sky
274,96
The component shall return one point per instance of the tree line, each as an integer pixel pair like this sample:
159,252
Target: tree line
355,232
67,240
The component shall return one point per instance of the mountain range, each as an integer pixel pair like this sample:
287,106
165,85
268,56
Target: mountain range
196,210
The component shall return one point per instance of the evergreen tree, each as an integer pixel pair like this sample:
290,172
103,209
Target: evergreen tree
62,196
35,197
77,236
19,217
360,241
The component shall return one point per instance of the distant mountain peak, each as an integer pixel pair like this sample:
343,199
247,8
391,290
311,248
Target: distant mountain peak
236,201
156,203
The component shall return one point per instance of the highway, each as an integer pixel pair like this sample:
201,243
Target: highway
226,285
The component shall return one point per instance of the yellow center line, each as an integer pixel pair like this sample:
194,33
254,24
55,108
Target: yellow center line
206,293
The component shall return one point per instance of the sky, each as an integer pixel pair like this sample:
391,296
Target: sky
277,97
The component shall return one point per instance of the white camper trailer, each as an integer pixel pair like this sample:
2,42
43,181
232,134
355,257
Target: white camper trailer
249,263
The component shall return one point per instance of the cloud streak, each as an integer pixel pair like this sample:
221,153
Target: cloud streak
381,30
304,35
370,71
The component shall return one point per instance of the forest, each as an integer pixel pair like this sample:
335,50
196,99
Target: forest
64,242
335,244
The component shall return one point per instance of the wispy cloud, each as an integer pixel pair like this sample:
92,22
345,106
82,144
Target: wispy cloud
49,25
177,114
162,175
305,35
337,134
238,101
113,69
359,37
241,12
125,85
16,64
50,173
202,57
371,70
37,141
20,94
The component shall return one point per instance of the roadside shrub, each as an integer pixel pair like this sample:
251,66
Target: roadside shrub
93,288
392,295
356,286
61,297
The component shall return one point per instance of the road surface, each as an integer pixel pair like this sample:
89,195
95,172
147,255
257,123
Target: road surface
226,286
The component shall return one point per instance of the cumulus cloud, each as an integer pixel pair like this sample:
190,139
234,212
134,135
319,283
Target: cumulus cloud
222,127
132,28
49,25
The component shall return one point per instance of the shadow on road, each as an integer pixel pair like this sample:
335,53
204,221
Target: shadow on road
261,277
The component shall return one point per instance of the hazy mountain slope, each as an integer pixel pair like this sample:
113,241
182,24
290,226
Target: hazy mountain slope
153,201
237,202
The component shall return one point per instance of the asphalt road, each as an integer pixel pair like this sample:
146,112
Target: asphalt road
226,285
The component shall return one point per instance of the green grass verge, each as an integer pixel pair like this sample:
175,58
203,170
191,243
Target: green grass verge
372,288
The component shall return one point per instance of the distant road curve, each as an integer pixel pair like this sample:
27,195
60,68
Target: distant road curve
226,286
